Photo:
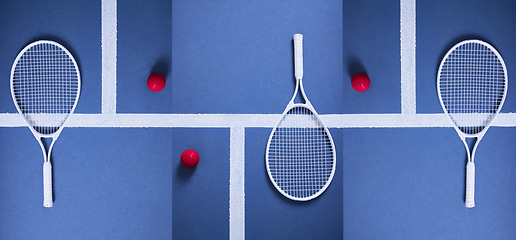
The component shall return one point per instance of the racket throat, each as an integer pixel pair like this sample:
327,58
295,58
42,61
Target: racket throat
46,145
299,94
471,147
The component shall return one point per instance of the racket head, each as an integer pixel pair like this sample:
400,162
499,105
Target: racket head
472,84
45,86
300,155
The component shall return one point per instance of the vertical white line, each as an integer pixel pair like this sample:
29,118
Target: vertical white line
109,36
408,56
236,184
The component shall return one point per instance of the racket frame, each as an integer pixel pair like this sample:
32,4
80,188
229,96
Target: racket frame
299,88
47,166
470,166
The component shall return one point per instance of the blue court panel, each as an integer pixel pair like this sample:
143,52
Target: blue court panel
144,47
442,24
236,57
371,44
270,215
74,24
408,184
200,194
108,184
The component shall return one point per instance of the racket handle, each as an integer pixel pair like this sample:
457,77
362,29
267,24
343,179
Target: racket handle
47,185
470,185
298,56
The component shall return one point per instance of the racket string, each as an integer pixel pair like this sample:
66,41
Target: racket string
45,85
300,158
472,86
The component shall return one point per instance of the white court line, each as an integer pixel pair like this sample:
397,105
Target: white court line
253,120
237,183
408,56
271,120
109,48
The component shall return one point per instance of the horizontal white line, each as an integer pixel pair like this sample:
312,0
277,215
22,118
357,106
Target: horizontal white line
253,120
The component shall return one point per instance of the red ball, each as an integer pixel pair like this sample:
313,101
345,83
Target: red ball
156,82
189,158
360,82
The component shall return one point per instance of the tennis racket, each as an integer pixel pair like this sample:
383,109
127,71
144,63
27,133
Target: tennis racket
472,84
300,156
45,87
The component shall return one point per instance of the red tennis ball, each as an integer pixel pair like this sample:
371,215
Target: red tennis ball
189,158
360,82
156,82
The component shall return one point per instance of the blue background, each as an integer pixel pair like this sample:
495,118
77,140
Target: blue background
237,57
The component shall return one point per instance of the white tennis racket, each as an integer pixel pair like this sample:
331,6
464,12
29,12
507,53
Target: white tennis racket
472,84
300,155
45,87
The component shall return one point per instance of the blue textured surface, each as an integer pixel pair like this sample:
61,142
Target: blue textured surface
237,57
270,215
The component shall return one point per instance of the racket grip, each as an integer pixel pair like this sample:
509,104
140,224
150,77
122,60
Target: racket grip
298,56
47,185
470,185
